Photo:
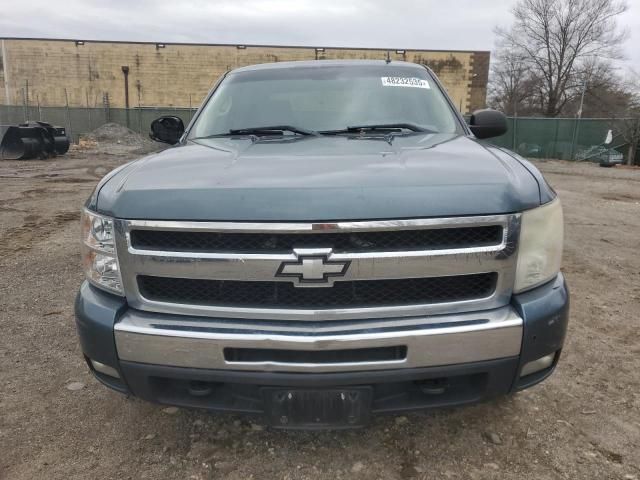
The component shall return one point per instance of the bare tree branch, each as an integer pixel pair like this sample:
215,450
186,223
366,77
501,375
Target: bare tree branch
553,41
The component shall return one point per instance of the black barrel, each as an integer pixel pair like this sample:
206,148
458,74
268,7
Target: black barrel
32,140
11,145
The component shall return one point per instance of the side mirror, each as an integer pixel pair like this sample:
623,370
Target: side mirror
488,124
167,129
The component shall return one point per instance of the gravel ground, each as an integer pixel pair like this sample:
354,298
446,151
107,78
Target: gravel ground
57,422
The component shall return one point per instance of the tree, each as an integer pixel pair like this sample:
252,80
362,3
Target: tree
630,124
559,41
606,94
511,88
631,133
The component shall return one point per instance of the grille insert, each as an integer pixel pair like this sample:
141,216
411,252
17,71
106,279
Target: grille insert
392,240
347,294
259,355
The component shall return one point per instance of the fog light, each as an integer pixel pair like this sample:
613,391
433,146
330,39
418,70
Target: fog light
105,369
538,365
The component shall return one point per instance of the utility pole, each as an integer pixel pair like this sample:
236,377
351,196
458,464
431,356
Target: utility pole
5,71
66,103
86,92
577,124
125,71
24,105
515,122
584,90
107,107
26,89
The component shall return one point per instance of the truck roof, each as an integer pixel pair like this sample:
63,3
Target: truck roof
322,63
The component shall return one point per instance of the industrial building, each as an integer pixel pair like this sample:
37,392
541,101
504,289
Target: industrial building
88,73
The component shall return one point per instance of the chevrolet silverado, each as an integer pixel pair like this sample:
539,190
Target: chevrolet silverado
324,241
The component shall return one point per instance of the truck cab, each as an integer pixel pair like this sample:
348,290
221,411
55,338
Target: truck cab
324,241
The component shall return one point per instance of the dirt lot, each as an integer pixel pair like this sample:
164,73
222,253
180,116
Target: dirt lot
584,422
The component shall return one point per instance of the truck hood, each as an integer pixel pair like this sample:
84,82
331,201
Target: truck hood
320,179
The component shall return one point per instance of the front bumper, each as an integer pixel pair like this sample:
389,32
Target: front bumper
320,346
435,361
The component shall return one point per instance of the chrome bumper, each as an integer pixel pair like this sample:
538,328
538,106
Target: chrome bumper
430,341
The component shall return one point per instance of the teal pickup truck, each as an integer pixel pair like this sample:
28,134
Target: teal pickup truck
325,241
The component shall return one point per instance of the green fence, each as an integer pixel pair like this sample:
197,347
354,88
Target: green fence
79,121
561,138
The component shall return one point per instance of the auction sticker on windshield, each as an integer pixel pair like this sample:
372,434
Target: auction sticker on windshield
404,82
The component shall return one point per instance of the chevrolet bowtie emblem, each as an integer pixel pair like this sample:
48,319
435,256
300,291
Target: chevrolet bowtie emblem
313,268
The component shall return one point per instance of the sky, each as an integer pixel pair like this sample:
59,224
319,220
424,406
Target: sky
424,24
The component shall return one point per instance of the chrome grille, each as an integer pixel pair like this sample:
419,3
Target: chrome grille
397,268
384,241
363,293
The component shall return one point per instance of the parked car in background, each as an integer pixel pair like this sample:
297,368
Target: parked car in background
530,150
606,157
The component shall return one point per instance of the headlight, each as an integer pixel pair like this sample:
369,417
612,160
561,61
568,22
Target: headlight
99,257
540,251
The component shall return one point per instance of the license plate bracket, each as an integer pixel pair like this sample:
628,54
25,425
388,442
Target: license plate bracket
332,408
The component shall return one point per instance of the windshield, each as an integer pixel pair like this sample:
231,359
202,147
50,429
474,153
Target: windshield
326,98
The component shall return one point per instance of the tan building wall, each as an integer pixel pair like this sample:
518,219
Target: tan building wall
182,74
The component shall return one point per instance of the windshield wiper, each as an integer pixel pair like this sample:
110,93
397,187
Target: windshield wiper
385,127
276,130
273,130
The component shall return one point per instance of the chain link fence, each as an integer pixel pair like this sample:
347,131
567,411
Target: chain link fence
80,120
563,138
559,138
